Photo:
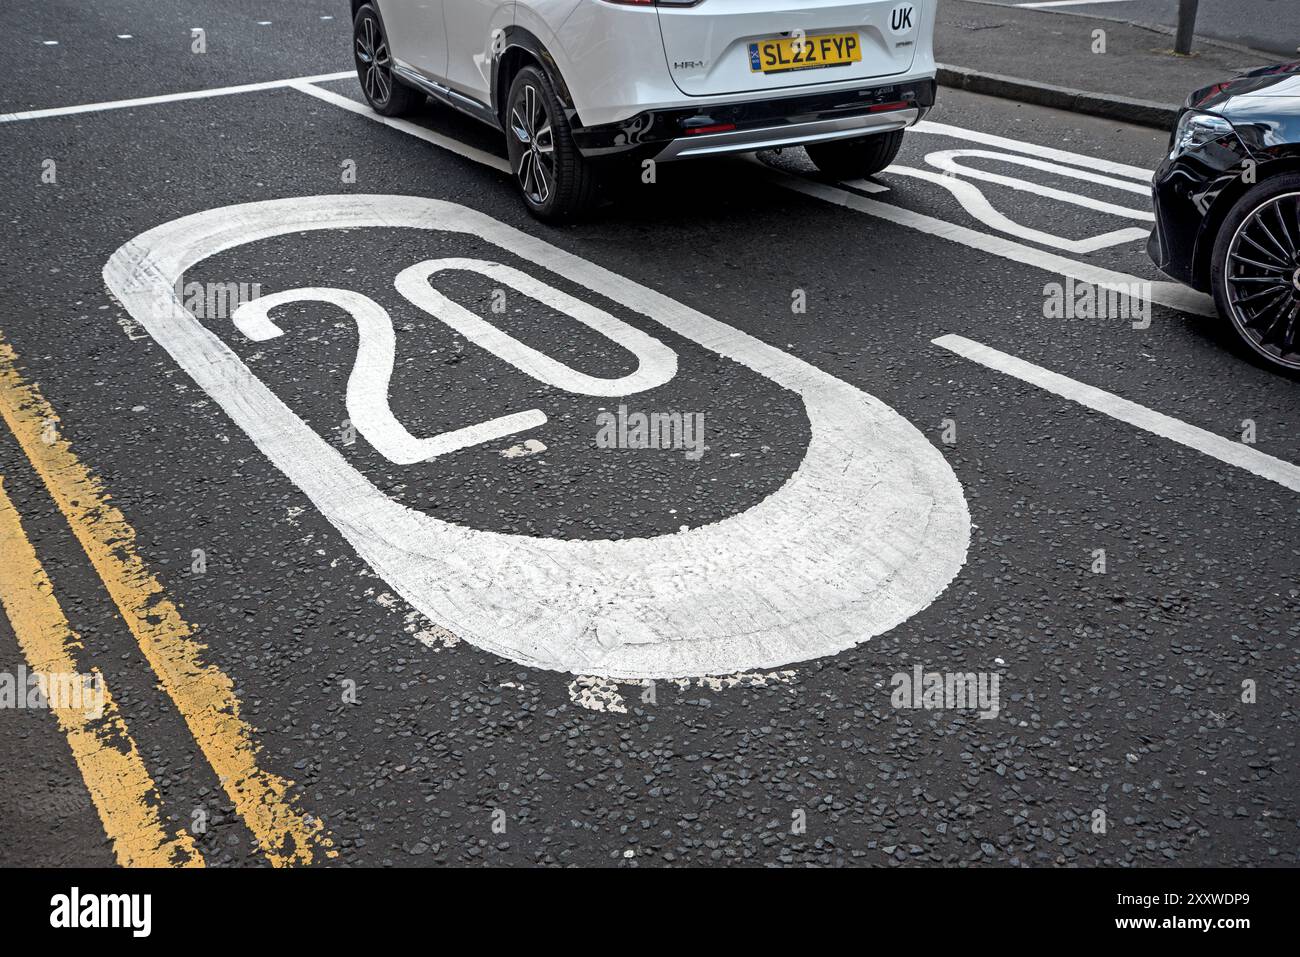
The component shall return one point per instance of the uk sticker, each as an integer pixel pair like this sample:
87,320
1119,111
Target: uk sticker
902,19
867,531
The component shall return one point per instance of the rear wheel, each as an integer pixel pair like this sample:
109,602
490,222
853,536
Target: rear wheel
1255,270
385,94
849,159
557,183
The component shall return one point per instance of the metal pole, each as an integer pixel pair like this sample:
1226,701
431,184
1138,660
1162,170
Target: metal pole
1186,26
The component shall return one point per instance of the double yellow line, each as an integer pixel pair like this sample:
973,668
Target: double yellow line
120,785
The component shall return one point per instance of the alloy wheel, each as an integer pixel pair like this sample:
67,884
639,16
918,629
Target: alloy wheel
374,65
531,126
1262,276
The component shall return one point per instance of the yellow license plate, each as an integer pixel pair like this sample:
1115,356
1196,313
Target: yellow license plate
782,54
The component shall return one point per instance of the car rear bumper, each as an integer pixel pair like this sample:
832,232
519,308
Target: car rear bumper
745,126
788,134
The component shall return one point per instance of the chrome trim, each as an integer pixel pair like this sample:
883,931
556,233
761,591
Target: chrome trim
790,134
466,104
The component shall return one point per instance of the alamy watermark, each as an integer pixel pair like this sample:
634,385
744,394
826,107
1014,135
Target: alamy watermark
215,300
949,690
75,909
40,689
206,300
651,430
1086,300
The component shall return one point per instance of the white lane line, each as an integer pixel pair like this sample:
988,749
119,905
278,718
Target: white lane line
1044,4
1171,294
405,126
1139,416
170,97
1033,149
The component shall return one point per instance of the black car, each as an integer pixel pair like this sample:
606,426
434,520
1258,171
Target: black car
1227,204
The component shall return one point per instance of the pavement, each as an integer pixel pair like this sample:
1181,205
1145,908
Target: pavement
301,673
1092,64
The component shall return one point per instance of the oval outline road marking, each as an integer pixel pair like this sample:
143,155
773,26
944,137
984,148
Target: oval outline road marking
867,532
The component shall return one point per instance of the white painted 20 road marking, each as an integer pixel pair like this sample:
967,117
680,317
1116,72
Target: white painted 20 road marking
867,532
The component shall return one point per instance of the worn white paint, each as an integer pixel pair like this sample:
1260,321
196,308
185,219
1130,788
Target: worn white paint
947,160
1034,149
977,204
367,394
656,363
867,532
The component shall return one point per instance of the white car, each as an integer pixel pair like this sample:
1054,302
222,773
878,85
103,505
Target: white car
577,84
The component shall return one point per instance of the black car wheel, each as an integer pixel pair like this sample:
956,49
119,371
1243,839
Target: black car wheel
1256,269
850,159
385,94
557,183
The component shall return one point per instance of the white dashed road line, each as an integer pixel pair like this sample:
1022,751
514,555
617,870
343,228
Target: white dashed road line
1207,443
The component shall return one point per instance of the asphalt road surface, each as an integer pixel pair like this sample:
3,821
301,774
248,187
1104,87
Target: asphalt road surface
1270,25
318,645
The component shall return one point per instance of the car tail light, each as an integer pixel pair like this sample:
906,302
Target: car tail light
886,107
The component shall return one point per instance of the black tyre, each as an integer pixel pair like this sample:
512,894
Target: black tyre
556,182
1255,269
849,159
384,92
